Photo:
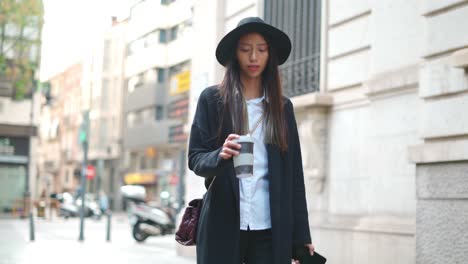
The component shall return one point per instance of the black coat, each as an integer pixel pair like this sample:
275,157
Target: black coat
219,224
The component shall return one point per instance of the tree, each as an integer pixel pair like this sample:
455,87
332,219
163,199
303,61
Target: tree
20,31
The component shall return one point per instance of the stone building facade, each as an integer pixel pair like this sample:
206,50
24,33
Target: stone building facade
384,138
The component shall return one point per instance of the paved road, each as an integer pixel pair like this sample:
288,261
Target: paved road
57,242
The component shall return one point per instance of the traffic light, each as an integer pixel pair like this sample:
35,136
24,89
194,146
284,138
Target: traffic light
46,91
84,128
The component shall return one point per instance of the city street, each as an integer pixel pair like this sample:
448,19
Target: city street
355,113
56,241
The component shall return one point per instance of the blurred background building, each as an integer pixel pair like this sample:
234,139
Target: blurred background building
60,155
94,85
103,90
20,45
157,76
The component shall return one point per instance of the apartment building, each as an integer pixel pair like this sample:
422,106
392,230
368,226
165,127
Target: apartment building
60,154
103,96
20,47
158,75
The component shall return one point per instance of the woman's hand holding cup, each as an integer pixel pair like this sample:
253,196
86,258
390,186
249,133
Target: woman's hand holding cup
230,148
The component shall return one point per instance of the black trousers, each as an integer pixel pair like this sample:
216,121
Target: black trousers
256,246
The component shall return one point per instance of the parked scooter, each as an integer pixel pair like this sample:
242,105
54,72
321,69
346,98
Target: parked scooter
70,207
91,206
146,220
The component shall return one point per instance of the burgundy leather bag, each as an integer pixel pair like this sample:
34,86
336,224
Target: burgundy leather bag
187,232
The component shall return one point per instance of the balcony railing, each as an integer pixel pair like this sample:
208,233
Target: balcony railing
300,20
301,76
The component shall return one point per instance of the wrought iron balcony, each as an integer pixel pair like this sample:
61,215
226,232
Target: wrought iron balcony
301,76
300,20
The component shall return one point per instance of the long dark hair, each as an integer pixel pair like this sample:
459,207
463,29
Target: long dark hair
234,103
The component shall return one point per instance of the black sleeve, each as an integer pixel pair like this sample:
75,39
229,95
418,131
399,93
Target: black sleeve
203,155
301,232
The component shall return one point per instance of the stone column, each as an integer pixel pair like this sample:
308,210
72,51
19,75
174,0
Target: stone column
312,112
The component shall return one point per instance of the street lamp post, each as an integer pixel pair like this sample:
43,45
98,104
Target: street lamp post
83,138
27,191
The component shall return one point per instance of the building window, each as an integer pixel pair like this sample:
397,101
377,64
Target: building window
178,68
300,19
163,36
161,75
159,112
173,33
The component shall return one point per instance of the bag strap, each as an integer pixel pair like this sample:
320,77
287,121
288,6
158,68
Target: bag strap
211,184
251,131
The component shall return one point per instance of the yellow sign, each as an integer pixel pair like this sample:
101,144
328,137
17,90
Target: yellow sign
180,83
140,178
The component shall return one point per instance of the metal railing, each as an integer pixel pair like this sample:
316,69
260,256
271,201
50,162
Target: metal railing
301,20
301,76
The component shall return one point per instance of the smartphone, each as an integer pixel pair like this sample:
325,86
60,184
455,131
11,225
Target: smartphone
303,255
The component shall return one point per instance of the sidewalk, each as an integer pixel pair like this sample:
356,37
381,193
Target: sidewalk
56,241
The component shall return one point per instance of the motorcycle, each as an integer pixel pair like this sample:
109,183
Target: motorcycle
146,220
70,207
150,221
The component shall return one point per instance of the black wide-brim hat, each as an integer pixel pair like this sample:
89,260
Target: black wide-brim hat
277,38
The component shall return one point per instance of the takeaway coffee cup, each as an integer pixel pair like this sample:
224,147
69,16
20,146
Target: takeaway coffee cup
243,163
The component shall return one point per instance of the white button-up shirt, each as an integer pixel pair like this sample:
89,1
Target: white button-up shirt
254,194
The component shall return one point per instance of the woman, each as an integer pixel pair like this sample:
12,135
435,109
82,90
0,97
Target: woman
263,218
